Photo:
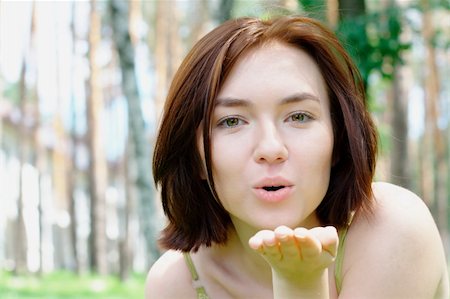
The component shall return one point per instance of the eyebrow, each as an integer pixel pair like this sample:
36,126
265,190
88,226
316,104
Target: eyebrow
294,98
299,97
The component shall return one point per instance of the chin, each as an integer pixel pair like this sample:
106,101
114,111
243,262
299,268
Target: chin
273,224
291,221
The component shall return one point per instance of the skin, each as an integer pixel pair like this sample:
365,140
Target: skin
299,257
280,127
277,248
279,122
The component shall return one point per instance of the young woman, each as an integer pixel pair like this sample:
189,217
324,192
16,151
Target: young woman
265,159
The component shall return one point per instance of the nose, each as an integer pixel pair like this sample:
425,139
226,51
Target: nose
270,146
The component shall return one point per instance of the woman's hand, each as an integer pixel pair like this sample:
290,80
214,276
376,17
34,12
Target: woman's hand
299,258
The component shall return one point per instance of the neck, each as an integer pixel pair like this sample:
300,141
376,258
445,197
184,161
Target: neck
237,254
241,256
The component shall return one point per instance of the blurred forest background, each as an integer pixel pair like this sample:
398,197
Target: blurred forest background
82,85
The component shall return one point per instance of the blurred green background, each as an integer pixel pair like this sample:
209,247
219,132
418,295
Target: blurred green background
82,86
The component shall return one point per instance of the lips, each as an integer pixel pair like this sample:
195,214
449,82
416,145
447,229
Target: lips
273,189
272,183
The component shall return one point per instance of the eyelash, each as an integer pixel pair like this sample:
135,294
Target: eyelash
238,121
307,117
223,122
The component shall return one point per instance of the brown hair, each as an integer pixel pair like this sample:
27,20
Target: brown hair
191,204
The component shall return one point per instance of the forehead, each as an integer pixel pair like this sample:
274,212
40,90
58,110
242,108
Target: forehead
274,67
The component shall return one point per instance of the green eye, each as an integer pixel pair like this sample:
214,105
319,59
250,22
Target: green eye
299,117
230,122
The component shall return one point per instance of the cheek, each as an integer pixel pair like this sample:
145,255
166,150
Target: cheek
224,165
229,159
317,154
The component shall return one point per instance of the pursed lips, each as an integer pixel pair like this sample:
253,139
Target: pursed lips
273,189
273,183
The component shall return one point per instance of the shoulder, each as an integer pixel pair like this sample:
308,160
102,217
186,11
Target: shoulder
169,277
398,216
402,213
398,244
401,206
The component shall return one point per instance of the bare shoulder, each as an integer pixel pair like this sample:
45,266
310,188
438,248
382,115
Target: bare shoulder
398,206
399,244
169,277
402,215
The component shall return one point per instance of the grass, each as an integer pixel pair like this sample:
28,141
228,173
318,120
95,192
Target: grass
69,286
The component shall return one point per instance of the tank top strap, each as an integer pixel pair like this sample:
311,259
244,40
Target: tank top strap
201,292
338,275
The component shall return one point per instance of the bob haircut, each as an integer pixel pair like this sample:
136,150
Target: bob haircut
195,215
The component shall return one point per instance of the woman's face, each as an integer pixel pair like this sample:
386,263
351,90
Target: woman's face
272,139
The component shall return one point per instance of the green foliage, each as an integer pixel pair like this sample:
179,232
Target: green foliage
315,8
373,41
11,92
68,285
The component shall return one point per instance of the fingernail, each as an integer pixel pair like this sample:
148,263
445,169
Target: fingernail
270,242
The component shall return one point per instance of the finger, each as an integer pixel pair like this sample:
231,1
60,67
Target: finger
328,238
287,243
283,232
309,245
271,245
257,241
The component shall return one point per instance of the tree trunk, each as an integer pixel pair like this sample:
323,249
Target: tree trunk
40,164
174,46
126,252
439,163
333,13
59,177
168,52
138,136
161,55
97,165
72,168
20,240
40,158
399,135
201,19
